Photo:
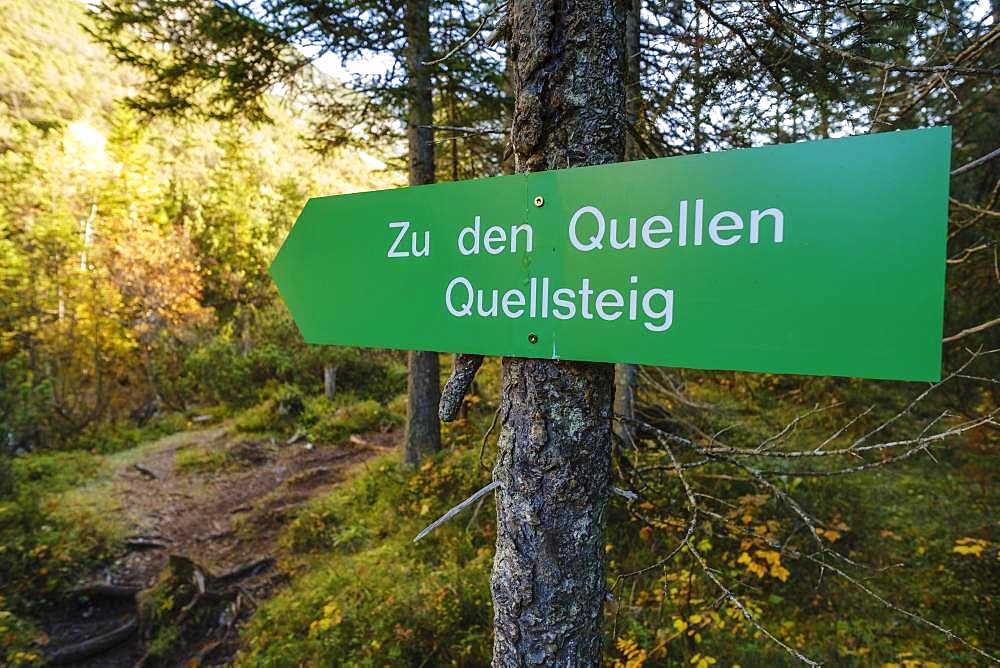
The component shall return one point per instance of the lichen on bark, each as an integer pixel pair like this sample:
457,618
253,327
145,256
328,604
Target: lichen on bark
549,581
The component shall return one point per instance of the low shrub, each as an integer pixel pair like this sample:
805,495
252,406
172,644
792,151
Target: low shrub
360,416
278,412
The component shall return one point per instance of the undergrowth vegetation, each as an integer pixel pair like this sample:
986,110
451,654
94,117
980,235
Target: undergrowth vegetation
45,542
321,419
363,594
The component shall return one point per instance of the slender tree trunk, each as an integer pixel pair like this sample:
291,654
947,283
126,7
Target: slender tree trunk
822,103
626,381
423,430
633,72
627,375
549,581
698,103
329,381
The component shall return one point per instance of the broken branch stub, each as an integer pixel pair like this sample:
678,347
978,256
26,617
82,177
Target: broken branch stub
463,371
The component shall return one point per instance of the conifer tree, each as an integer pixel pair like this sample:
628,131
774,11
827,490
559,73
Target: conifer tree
227,60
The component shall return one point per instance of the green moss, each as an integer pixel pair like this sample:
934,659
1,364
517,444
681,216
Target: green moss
164,642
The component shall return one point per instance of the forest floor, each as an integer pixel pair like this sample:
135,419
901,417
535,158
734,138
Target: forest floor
211,496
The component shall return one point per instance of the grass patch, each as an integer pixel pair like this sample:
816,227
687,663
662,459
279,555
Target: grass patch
324,420
364,594
197,459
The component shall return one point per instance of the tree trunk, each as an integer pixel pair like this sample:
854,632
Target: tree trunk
423,430
329,381
553,458
633,72
627,375
626,380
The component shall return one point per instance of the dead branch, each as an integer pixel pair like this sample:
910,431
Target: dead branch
693,551
486,436
978,162
462,44
972,330
457,509
464,130
628,495
463,371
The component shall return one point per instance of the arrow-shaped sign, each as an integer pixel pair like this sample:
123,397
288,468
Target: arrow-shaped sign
824,257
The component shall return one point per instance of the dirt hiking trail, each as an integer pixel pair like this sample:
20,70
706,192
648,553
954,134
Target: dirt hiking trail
212,503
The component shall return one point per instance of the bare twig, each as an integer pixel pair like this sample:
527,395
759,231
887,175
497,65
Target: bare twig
972,330
732,598
693,551
968,167
463,43
457,509
629,495
464,129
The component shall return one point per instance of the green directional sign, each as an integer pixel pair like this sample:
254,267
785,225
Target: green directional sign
823,257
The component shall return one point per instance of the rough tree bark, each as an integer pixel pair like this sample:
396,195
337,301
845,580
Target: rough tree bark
423,430
548,583
627,375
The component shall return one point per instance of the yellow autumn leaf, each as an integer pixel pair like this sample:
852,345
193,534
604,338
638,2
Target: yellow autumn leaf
973,546
829,534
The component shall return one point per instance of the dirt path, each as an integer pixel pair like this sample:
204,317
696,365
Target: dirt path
213,496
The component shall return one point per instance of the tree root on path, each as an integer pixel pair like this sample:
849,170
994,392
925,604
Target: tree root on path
72,654
188,614
108,591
